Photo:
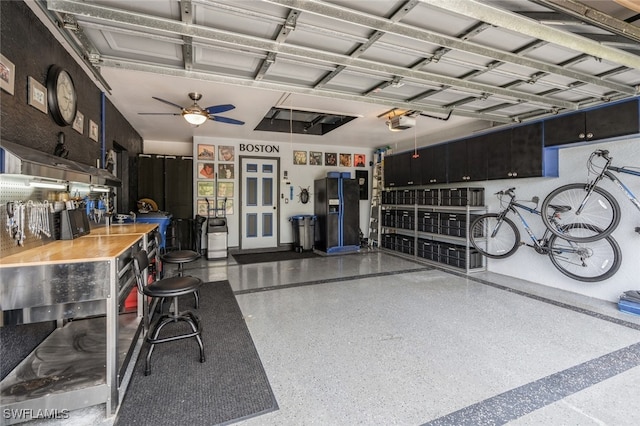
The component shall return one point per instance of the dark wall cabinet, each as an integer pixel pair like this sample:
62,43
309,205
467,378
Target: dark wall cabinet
433,164
467,159
515,153
168,181
402,170
620,119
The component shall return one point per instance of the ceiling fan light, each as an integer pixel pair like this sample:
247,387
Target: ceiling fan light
196,117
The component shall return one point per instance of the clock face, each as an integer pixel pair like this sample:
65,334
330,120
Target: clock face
66,96
62,97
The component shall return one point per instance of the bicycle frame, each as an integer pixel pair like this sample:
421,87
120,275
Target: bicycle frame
512,208
606,171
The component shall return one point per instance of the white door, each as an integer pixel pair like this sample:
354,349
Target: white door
259,194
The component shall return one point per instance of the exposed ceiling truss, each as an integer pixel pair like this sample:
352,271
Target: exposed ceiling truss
502,61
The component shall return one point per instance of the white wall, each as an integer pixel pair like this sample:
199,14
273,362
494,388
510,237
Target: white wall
529,265
299,176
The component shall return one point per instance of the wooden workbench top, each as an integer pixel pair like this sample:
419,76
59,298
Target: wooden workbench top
124,229
83,249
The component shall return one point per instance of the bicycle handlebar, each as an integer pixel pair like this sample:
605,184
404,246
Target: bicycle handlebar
602,153
506,192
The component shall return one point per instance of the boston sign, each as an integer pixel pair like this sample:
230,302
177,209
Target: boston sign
250,147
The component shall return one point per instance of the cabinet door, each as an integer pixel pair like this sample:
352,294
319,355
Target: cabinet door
433,164
565,129
526,151
477,158
457,161
499,155
390,177
403,169
615,120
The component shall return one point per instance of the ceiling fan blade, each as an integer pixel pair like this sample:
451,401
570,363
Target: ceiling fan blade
216,109
159,113
167,102
225,120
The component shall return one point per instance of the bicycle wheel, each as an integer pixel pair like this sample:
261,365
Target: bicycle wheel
585,261
600,212
494,236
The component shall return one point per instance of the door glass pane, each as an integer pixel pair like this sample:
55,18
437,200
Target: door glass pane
252,191
267,168
267,225
252,168
252,225
267,196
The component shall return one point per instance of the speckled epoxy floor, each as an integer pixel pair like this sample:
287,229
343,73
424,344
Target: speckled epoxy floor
377,339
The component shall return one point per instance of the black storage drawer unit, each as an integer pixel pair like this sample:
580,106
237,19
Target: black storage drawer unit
462,197
389,218
406,196
405,244
428,197
389,197
455,255
428,249
389,241
428,221
404,219
455,224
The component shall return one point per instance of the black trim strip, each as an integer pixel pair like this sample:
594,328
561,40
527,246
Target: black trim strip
330,280
525,399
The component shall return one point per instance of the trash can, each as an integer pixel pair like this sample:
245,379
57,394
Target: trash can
217,234
303,232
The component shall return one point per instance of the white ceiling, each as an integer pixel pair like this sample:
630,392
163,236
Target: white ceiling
487,63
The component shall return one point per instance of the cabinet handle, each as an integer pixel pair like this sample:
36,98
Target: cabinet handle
589,135
509,174
581,135
515,174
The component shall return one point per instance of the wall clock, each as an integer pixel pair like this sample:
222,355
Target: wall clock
61,96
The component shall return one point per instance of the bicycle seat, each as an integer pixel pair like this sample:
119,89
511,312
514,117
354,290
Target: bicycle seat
559,209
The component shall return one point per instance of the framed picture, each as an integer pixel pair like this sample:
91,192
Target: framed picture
345,160
206,171
206,152
226,153
7,75
205,188
228,209
330,159
93,130
225,171
78,123
202,208
315,158
299,157
37,95
225,189
359,160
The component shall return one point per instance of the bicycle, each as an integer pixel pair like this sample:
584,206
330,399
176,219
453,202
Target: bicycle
588,203
496,236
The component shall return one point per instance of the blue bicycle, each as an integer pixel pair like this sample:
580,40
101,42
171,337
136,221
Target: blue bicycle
589,204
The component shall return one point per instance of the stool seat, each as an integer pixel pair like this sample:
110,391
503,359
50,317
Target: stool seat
180,256
174,286
168,287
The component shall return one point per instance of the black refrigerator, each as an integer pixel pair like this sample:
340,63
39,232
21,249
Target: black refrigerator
337,210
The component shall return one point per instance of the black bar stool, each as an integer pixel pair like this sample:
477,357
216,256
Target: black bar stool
168,287
179,257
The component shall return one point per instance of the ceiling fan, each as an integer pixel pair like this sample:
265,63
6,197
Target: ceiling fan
197,115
